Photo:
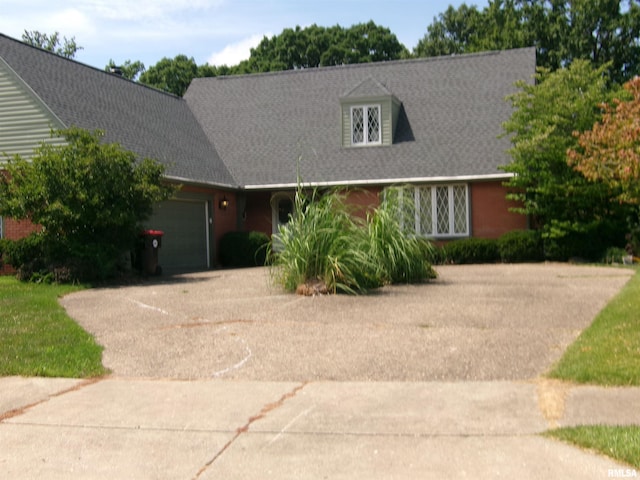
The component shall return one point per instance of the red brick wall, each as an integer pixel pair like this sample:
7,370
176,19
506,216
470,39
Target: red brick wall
490,215
364,200
14,230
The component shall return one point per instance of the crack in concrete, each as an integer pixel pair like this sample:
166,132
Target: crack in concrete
245,428
21,410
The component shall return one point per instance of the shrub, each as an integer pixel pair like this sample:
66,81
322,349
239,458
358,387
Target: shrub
243,249
39,258
520,246
89,197
3,247
614,255
472,250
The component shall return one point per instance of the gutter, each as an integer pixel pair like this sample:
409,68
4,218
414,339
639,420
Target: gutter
384,181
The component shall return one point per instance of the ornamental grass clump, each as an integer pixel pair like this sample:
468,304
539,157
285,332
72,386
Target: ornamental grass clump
320,245
399,257
326,249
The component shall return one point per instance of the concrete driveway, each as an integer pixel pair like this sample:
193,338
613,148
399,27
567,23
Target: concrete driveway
481,322
262,400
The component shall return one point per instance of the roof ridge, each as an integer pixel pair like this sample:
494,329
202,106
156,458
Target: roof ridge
86,65
385,63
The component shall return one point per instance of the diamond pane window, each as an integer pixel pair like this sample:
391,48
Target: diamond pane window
439,211
373,125
442,206
365,125
357,125
424,222
459,209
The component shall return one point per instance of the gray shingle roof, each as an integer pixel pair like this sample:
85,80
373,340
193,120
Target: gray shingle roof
253,130
453,108
148,122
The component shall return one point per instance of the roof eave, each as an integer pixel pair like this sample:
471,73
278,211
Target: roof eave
383,181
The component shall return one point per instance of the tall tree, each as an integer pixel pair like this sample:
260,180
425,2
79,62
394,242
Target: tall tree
610,151
171,75
561,202
602,31
68,48
453,32
316,46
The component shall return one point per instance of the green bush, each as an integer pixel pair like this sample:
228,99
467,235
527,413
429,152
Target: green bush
90,198
39,258
589,243
436,254
243,249
472,250
3,247
614,255
520,246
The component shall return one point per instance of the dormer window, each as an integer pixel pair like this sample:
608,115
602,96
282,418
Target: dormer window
369,115
365,125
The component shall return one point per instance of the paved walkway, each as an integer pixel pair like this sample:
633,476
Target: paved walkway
206,429
233,422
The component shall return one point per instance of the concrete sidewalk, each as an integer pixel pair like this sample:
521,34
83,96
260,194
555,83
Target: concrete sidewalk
205,429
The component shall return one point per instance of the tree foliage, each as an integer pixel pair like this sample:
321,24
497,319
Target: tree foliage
171,74
317,46
66,48
297,48
610,151
561,201
129,69
606,32
89,197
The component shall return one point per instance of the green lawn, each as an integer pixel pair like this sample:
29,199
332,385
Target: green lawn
620,443
607,353
37,338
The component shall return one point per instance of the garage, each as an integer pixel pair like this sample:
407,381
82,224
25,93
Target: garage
185,244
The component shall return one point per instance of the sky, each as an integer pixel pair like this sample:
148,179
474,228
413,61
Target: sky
218,32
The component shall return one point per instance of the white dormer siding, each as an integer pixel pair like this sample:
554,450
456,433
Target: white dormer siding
369,115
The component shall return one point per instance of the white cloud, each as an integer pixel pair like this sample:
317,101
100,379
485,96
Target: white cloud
236,52
126,10
69,22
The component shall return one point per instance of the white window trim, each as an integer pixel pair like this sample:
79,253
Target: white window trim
365,118
414,195
1,227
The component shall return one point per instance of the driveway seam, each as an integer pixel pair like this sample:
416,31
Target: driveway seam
245,428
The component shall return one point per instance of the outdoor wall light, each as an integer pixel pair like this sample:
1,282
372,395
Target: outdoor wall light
224,203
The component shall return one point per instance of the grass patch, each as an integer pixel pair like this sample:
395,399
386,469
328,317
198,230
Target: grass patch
37,337
619,443
608,352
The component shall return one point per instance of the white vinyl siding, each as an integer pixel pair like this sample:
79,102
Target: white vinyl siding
439,211
25,121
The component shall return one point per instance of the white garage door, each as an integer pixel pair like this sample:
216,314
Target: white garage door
185,241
